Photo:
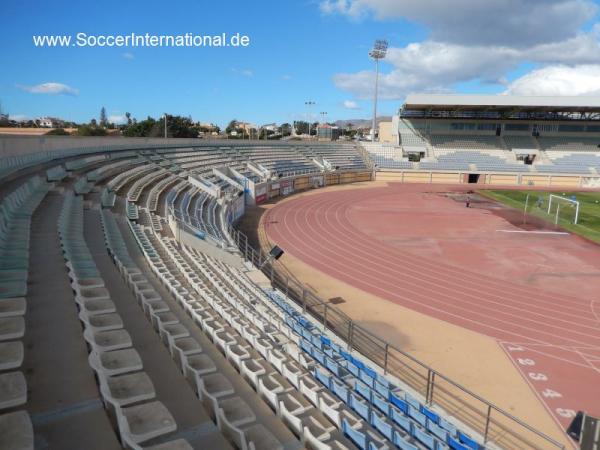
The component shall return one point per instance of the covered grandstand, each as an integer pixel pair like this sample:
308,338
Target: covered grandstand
494,139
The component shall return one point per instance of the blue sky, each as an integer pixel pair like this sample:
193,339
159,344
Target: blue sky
298,50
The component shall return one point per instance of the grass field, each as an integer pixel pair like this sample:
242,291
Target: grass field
589,213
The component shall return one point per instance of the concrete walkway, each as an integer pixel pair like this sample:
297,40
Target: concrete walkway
63,399
193,423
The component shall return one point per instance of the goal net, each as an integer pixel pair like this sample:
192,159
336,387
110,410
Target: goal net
563,209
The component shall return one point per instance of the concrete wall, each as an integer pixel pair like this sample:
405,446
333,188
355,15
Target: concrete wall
22,145
505,179
385,133
11,145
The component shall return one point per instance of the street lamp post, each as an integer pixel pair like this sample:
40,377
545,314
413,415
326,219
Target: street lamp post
378,52
165,125
309,103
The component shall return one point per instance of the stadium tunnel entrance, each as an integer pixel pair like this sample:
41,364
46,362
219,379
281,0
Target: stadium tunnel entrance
473,178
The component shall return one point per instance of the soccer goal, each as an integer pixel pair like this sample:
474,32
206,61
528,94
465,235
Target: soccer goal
563,208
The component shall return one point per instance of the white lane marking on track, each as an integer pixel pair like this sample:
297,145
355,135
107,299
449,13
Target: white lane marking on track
557,233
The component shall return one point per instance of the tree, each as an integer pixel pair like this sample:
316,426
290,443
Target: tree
313,128
302,127
87,130
177,127
57,132
93,123
128,115
231,126
285,129
103,119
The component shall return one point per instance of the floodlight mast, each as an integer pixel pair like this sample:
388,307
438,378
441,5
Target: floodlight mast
309,103
379,51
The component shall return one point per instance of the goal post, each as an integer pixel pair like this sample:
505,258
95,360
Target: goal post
558,204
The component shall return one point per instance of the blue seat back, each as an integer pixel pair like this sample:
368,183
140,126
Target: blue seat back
382,426
398,403
424,438
360,439
468,441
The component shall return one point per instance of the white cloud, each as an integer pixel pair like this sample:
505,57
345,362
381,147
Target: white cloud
286,77
128,55
351,104
50,88
243,72
506,22
432,66
558,80
473,40
117,118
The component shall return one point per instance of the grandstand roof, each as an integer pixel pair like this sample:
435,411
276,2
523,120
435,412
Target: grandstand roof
512,103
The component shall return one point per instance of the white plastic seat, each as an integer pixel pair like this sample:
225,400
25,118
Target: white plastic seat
253,369
140,423
126,389
170,332
271,386
105,341
11,355
101,322
182,348
116,362
101,306
13,389
16,431
197,366
11,307
236,411
163,318
11,328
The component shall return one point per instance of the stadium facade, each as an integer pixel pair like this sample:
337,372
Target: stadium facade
494,139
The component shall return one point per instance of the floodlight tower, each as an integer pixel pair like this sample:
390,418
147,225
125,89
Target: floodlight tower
309,104
379,51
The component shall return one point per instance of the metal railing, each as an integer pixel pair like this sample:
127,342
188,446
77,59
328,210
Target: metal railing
494,424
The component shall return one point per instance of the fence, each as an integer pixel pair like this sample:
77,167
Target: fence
493,423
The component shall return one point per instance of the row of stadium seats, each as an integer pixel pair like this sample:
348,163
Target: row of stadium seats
16,211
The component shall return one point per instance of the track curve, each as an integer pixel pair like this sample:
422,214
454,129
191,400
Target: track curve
351,235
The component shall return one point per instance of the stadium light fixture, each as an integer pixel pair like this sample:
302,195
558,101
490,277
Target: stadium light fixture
309,104
378,52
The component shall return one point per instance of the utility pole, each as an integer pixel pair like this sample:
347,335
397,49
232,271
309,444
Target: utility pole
165,125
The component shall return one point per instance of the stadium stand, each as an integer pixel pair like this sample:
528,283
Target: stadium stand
179,346
480,133
130,390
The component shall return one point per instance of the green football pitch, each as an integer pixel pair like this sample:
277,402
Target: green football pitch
588,224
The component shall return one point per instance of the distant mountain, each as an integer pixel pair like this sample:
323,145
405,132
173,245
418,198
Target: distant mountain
361,123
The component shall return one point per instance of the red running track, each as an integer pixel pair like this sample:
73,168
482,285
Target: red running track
415,246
